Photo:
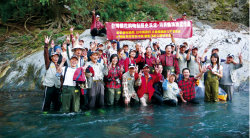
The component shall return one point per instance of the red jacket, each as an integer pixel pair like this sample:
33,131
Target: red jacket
129,61
96,24
153,78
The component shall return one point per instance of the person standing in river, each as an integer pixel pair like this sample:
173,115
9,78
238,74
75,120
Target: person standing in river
51,82
113,81
226,82
96,93
212,76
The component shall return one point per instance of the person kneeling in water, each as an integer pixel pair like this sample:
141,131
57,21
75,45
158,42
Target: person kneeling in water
187,85
171,90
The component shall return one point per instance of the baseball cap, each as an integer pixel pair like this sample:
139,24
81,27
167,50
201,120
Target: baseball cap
53,53
74,56
97,16
182,45
146,65
131,66
230,55
195,48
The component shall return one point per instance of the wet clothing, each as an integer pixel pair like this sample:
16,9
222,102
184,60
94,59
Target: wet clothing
226,82
51,95
169,63
170,90
188,88
147,85
51,82
96,93
70,91
157,96
112,96
212,85
113,85
70,99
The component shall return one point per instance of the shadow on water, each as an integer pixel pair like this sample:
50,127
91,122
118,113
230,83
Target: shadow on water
21,116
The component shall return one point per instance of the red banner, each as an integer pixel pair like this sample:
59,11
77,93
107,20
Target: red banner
146,30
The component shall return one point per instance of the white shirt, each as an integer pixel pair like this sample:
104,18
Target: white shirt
98,69
215,69
68,80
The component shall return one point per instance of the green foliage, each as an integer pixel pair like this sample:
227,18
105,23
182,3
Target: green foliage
63,13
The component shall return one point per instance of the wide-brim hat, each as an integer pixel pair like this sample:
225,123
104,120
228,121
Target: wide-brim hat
77,47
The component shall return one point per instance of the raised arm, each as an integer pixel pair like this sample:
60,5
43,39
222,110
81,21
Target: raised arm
203,55
46,52
189,53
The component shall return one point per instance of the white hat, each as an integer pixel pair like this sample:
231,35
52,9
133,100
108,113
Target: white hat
97,16
77,47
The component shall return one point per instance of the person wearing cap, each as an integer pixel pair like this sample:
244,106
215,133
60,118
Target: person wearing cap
204,58
193,61
130,79
228,79
115,46
57,49
126,50
146,90
171,90
51,82
182,59
96,93
97,28
183,18
70,91
155,51
77,51
113,81
211,79
93,48
187,86
169,62
131,59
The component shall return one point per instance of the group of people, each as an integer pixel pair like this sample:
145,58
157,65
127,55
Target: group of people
80,78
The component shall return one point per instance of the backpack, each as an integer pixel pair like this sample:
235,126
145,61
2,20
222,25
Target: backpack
79,76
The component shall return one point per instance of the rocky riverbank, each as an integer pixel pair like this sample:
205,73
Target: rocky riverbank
27,73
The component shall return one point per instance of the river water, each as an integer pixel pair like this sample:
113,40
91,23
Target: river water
21,116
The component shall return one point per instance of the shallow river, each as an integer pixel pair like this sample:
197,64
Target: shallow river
21,116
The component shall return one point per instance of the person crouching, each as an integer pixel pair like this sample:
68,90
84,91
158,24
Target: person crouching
146,90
